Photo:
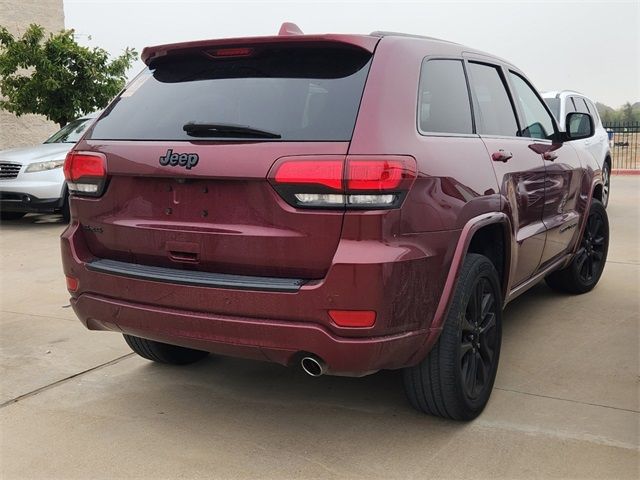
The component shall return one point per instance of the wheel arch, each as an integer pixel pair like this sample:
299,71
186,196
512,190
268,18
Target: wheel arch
483,228
473,238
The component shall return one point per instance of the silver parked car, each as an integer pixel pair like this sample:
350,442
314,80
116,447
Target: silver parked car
31,178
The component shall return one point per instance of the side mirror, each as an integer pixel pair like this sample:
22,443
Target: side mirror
579,125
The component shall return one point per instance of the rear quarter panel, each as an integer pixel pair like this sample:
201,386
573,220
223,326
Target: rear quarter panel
456,181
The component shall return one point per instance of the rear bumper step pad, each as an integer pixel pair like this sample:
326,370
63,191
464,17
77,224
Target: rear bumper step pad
196,278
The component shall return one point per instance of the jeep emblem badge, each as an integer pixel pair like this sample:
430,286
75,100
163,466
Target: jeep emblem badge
188,160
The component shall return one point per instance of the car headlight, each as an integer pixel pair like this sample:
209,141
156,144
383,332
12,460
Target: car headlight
42,166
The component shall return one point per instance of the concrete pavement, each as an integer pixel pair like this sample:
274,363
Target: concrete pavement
77,404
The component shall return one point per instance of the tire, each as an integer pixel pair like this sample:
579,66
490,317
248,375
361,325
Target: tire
606,183
443,383
64,211
163,352
585,269
11,215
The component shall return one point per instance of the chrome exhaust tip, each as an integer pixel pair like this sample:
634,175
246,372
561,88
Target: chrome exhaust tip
313,366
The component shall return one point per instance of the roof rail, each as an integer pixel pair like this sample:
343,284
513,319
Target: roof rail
289,28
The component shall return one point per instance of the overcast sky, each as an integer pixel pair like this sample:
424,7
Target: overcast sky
589,46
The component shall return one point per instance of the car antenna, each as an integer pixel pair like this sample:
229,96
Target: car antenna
289,28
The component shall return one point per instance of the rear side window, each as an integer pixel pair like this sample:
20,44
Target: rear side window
297,92
495,115
536,121
444,98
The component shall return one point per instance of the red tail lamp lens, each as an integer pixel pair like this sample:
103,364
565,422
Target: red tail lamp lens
327,173
353,318
72,284
78,165
378,175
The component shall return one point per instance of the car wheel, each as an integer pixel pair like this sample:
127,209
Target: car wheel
163,352
606,183
11,215
456,378
586,267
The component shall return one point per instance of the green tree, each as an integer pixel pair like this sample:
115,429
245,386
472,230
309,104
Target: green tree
626,113
55,77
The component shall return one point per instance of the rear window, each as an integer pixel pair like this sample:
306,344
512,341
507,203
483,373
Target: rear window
297,92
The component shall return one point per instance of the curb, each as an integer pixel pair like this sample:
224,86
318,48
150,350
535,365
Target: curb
625,171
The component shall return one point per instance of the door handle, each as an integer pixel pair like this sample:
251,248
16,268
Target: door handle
501,156
551,156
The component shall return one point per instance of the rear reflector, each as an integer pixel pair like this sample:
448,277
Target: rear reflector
72,284
354,181
353,318
85,173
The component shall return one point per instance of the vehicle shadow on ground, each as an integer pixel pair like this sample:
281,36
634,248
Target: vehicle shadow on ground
35,220
199,393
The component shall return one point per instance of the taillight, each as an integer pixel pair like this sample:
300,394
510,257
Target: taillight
354,181
85,173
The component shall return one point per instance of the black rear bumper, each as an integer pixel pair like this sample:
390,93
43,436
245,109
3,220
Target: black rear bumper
195,278
24,202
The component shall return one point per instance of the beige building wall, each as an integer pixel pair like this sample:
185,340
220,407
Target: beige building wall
16,15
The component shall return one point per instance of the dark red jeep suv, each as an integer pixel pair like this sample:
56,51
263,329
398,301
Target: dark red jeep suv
347,203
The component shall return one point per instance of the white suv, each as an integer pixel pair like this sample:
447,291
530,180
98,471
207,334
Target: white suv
565,101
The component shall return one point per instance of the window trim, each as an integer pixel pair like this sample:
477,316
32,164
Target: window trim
426,133
521,114
474,100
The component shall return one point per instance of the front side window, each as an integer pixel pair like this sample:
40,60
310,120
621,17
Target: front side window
495,115
444,99
537,123
569,106
581,106
593,110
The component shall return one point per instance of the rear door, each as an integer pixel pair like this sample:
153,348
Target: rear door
199,197
562,166
519,170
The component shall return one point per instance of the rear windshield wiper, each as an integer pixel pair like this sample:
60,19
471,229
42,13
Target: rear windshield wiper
225,130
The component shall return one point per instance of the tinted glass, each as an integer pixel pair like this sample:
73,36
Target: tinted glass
444,98
554,105
495,114
537,123
300,93
71,132
569,106
592,110
580,105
